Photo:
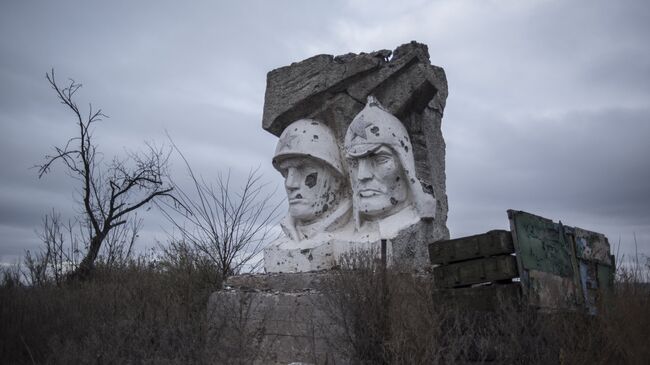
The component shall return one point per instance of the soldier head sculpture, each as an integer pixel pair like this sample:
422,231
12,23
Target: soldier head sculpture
382,172
308,158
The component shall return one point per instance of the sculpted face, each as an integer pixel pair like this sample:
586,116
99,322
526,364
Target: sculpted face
378,182
312,187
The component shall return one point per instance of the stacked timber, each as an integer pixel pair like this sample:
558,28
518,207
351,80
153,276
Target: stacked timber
479,259
476,271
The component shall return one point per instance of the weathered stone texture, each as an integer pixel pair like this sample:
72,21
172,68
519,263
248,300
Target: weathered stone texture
276,318
272,319
334,89
287,283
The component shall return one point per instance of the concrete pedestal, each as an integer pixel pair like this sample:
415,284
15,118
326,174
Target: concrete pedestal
272,319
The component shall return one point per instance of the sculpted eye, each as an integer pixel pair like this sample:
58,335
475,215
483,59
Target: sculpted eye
382,159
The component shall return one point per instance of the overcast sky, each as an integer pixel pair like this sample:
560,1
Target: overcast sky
548,108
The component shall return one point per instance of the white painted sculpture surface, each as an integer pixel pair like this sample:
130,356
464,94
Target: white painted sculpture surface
326,218
318,194
387,196
308,158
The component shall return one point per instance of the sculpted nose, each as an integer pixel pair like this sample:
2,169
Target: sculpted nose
365,170
292,181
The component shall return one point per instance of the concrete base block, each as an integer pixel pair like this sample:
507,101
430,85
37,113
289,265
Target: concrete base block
271,319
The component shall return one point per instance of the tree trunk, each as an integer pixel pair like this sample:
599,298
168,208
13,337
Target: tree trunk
87,265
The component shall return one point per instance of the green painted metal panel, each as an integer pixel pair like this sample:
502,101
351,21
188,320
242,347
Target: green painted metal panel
606,278
561,267
541,244
592,246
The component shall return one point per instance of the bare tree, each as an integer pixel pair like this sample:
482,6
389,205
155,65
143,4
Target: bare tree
108,192
118,248
230,227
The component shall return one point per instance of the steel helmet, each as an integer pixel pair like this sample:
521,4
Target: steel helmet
311,138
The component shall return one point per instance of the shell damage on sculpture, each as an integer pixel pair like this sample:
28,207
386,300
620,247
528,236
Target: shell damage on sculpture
377,180
373,122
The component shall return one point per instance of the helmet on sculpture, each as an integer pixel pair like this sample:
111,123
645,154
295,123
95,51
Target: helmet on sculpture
311,138
374,127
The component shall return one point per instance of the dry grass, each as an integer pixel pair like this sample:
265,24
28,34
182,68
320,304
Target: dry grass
156,313
391,318
138,313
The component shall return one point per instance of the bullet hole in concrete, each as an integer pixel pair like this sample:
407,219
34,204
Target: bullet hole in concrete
375,131
299,196
325,208
397,178
314,123
315,136
412,181
393,201
311,180
427,188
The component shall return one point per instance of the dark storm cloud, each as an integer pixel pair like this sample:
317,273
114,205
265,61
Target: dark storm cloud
548,111
549,106
592,162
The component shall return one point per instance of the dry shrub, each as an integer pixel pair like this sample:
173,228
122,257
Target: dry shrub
237,329
625,317
355,300
142,312
155,312
393,318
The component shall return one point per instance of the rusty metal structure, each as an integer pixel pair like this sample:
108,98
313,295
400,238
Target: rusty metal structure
549,265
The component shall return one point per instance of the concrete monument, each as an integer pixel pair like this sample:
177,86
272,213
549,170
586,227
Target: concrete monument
363,160
385,119
387,194
308,158
318,195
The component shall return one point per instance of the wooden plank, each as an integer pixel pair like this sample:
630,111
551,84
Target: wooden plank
475,271
482,298
492,243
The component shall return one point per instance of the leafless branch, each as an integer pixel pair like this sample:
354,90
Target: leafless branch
230,226
109,193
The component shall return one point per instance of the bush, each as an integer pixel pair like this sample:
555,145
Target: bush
141,312
384,317
154,311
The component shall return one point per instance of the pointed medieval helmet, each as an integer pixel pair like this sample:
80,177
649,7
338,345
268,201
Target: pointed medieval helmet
374,127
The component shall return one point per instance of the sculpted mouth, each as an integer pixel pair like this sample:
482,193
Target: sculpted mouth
366,193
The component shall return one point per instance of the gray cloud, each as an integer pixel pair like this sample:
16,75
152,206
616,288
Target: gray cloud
549,106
